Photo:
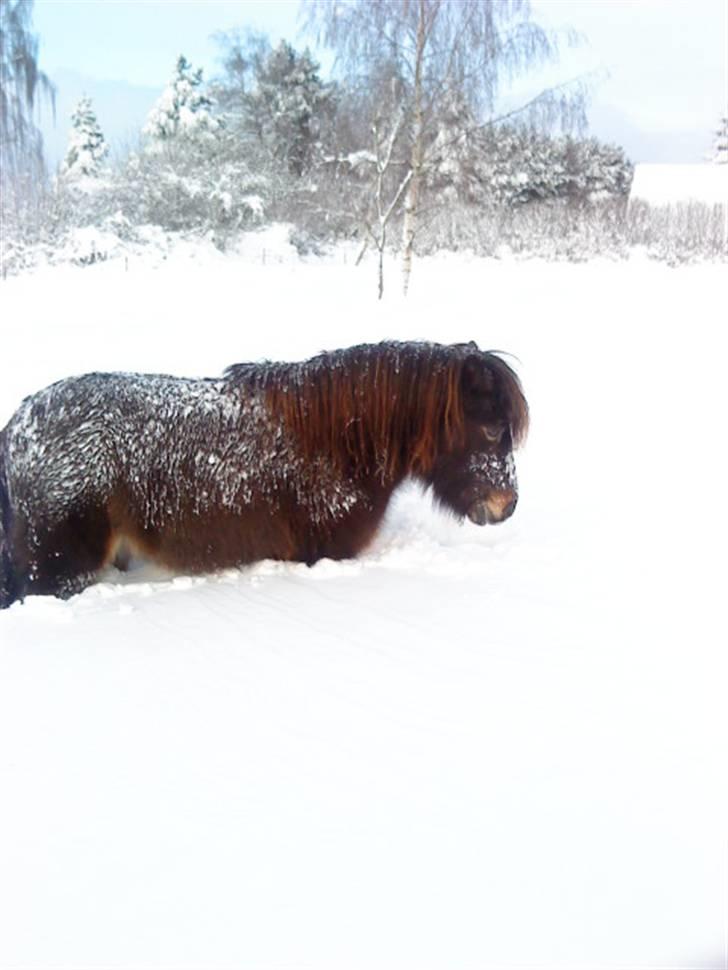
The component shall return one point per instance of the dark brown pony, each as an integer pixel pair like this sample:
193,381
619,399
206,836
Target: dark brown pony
273,460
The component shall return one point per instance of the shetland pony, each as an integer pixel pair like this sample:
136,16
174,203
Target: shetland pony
272,460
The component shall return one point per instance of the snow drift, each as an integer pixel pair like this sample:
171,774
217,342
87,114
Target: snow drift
471,747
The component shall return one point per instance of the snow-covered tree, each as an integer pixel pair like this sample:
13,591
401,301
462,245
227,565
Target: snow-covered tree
183,112
511,165
454,155
719,152
289,106
87,148
442,46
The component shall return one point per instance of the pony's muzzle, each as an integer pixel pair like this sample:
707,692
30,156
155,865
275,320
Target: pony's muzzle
497,507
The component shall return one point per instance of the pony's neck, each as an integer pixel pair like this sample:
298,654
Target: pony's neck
384,410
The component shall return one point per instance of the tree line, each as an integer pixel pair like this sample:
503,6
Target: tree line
407,137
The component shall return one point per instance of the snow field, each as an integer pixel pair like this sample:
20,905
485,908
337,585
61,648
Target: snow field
673,184
498,747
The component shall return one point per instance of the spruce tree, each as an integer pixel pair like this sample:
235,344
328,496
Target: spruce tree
183,111
289,107
87,148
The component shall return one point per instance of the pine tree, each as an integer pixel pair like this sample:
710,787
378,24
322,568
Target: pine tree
719,153
289,106
87,148
183,111
512,165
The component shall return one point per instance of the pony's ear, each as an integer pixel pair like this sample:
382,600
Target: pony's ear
477,377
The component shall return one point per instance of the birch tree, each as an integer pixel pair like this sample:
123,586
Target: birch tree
383,204
443,48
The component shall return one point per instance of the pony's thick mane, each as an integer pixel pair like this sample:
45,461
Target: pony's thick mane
385,408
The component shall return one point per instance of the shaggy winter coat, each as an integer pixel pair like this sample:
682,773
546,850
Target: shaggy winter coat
272,460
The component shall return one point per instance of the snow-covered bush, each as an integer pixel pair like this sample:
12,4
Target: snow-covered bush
194,191
577,231
67,224
22,217
544,229
514,166
679,233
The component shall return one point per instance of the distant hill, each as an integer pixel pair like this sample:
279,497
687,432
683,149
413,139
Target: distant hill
644,145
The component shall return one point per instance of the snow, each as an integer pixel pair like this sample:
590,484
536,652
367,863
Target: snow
672,184
473,747
361,159
500,472
87,244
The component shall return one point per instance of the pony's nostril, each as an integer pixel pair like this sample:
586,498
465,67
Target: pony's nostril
510,508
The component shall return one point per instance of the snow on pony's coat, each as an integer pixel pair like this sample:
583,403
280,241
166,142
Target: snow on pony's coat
273,460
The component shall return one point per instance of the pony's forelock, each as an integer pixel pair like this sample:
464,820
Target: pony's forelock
512,399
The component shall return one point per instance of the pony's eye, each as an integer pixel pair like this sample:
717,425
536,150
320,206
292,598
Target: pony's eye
493,434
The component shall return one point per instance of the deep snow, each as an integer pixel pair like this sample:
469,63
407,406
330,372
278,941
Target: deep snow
498,747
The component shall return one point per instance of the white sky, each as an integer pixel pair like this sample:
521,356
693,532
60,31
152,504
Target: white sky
667,60
138,41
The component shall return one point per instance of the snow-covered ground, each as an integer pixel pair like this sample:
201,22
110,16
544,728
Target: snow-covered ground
471,748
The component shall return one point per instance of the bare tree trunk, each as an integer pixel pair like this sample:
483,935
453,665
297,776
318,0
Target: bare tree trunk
377,232
411,206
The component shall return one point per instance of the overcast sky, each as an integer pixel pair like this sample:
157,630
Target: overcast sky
663,63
